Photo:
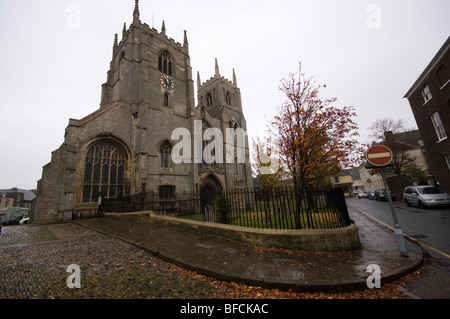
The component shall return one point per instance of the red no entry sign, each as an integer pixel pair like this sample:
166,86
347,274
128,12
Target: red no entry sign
379,155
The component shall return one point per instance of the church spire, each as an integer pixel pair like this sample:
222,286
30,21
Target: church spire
136,12
217,69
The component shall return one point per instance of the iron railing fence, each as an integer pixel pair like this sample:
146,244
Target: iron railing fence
280,208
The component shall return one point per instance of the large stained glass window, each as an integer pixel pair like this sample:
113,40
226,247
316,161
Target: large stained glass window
104,171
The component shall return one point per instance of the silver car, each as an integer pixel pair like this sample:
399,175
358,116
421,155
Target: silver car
425,196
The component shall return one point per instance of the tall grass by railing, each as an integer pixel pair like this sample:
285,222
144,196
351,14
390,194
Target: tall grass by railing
280,208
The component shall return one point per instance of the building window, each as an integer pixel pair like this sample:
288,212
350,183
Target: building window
228,98
104,170
438,126
165,63
443,75
166,100
209,99
167,192
426,94
447,159
165,154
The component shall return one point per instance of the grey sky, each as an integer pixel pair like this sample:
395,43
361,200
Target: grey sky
52,66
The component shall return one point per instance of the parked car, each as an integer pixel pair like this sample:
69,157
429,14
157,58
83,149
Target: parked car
425,196
382,195
371,195
361,194
13,215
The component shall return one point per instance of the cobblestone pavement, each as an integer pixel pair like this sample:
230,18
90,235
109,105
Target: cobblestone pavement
34,261
33,264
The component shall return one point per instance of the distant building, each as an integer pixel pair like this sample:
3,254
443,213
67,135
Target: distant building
5,202
409,164
344,180
429,98
370,182
409,155
16,197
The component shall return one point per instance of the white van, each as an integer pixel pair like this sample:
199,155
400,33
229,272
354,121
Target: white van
425,196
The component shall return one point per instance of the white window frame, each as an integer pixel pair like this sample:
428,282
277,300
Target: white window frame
438,126
447,159
426,94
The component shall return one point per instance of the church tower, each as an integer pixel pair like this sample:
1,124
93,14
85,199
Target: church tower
151,73
219,100
124,148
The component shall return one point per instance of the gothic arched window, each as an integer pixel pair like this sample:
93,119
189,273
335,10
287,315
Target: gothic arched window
165,63
104,170
165,154
228,98
209,99
166,99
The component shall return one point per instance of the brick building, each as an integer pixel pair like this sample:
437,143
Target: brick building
125,147
429,98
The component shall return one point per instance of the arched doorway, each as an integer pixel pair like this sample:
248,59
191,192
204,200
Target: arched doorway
210,188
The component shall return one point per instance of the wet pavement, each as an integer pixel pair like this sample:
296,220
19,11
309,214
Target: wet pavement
120,258
301,271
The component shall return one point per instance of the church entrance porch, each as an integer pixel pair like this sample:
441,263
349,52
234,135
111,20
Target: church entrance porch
210,187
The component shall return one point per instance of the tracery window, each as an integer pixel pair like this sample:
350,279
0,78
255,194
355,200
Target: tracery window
104,170
165,63
165,154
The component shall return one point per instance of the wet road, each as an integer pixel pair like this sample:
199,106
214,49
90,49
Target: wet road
430,227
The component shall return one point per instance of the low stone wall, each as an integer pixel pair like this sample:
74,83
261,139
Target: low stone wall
339,239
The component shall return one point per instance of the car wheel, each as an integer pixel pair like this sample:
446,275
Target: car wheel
407,203
421,205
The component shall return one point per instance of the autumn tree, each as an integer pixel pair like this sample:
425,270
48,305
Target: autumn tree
315,138
266,165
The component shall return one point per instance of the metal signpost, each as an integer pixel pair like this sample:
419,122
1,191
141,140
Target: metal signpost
380,156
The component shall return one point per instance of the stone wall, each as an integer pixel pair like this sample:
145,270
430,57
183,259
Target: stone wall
339,239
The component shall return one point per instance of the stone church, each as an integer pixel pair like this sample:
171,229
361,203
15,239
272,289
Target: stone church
124,147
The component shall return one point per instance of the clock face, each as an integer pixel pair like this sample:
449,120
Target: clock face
167,82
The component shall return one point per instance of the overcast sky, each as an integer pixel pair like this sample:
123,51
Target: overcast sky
55,54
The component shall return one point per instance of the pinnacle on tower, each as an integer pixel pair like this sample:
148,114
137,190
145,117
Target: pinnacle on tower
234,78
163,28
217,69
115,42
124,30
199,83
136,12
185,41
